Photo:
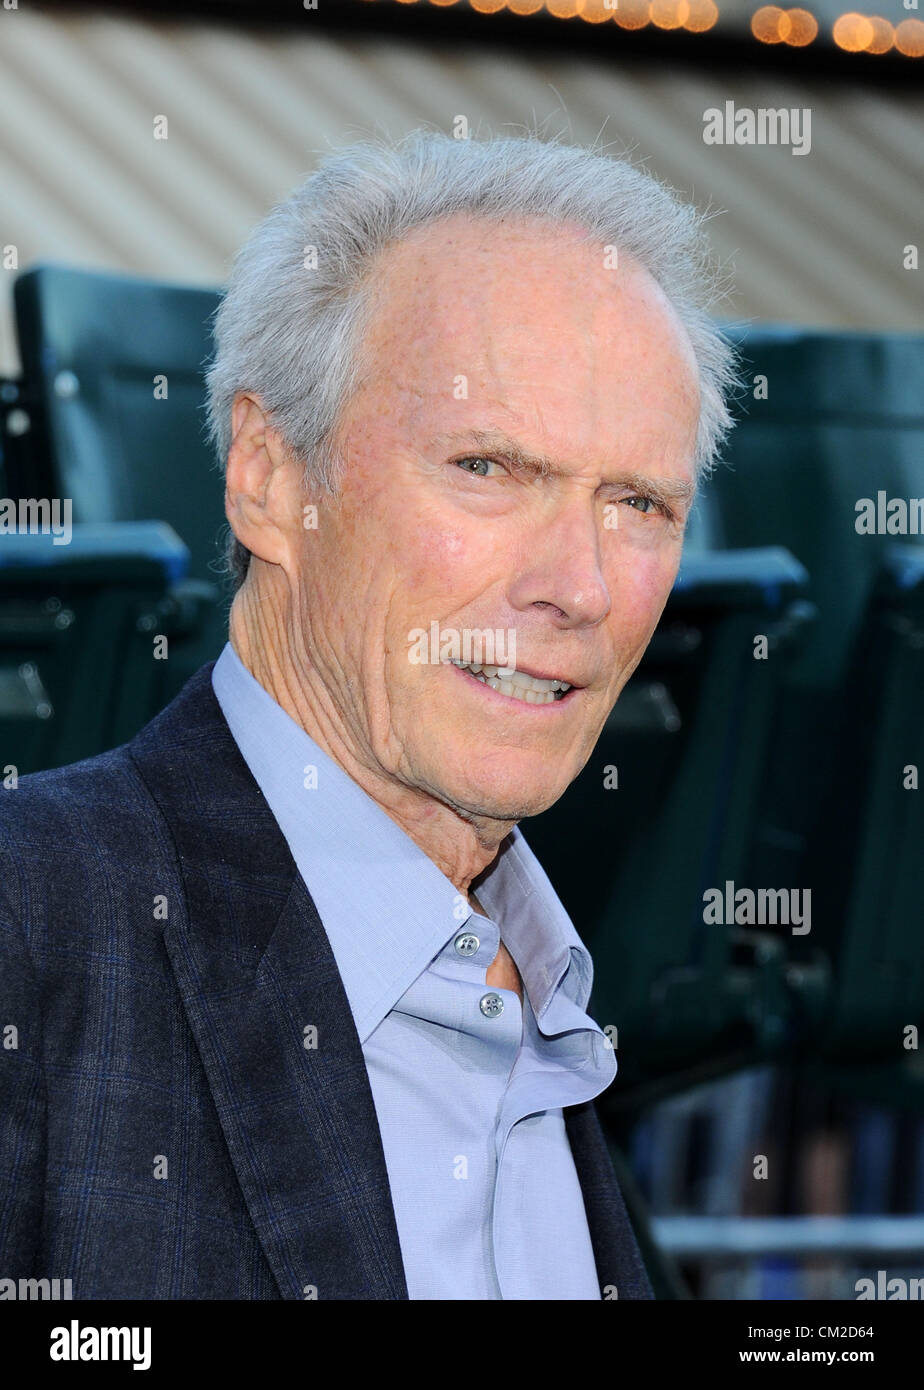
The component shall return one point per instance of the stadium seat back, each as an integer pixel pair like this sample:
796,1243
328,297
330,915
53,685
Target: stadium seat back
117,364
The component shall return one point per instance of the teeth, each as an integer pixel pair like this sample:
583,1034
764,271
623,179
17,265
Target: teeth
520,692
509,681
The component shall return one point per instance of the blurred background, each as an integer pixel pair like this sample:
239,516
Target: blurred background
767,1120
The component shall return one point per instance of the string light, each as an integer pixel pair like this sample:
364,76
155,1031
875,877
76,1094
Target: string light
909,38
669,14
598,11
883,35
633,14
771,24
803,28
766,22
852,32
703,15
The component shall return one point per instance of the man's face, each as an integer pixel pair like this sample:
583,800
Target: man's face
492,345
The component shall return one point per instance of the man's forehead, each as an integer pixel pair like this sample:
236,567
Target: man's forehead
442,346
446,276
467,292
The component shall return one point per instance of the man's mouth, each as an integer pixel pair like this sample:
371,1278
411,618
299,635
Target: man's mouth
518,685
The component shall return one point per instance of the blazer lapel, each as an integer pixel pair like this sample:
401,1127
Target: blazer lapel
616,1252
272,1022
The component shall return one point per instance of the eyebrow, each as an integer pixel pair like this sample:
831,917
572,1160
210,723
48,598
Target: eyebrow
508,450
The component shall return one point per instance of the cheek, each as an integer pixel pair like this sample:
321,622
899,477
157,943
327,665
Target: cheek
639,593
443,560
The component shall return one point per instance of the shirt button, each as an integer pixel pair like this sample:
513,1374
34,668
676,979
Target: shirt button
466,943
491,1005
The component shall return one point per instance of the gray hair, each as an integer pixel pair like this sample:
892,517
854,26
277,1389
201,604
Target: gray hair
292,335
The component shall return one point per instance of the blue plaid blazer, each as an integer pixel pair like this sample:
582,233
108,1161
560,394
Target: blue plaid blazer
164,1133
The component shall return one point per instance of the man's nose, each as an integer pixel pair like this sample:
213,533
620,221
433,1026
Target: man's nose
563,570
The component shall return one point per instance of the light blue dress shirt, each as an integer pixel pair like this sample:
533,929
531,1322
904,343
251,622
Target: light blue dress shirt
468,1084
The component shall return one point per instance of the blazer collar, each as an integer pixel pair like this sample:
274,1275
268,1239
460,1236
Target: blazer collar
270,1017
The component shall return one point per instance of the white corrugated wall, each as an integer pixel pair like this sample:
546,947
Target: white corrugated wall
814,239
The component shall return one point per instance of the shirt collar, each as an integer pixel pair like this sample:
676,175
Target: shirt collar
387,909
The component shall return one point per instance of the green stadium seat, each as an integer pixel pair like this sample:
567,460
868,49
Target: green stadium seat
877,949
98,353
78,671
843,419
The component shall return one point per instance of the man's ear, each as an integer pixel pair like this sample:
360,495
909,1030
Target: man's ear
261,482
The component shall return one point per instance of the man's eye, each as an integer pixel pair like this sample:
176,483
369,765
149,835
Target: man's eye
643,504
473,464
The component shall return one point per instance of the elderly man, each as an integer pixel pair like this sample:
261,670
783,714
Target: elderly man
298,1013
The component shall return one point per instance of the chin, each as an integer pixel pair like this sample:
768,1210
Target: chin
488,783
510,800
